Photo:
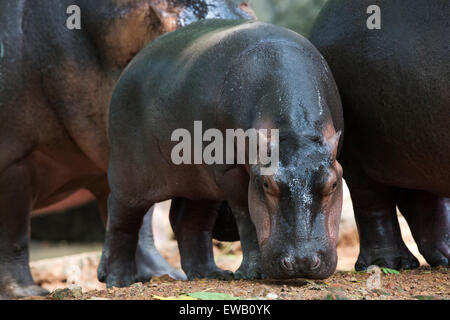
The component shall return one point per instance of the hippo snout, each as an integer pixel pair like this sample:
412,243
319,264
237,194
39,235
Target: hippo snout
308,264
314,265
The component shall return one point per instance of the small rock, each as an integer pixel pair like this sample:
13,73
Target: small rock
67,293
272,296
61,293
374,280
77,292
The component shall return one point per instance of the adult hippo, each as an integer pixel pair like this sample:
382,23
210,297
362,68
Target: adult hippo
394,84
55,87
227,75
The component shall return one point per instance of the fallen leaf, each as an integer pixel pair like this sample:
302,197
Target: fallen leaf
212,296
181,297
389,271
425,298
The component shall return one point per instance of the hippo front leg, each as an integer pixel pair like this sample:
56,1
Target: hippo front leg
118,263
235,185
379,231
193,223
15,203
250,267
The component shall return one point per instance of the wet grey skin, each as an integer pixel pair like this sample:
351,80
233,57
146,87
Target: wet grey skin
229,75
55,88
394,84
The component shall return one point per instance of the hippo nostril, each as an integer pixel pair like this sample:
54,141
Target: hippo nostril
287,264
316,263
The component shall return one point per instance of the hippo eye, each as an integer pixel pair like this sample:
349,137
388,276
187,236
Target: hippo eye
333,187
330,188
270,187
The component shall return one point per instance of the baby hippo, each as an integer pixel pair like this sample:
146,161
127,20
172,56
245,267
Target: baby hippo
227,79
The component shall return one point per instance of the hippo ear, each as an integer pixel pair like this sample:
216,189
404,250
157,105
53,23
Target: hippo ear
167,16
244,6
334,143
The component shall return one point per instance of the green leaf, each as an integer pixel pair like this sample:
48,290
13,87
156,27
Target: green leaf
390,271
180,297
212,296
424,297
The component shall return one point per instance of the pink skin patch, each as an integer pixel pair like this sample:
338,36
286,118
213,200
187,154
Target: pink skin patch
79,198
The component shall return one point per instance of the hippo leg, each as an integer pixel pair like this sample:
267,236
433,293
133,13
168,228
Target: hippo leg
118,263
15,203
148,259
428,216
193,223
379,231
235,185
226,229
250,267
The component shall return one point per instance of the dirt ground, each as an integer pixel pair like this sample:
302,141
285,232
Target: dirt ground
58,267
79,273
421,284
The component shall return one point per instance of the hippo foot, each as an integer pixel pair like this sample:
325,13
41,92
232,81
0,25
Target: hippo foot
386,257
147,273
151,264
15,277
118,276
118,273
436,253
14,290
213,273
249,272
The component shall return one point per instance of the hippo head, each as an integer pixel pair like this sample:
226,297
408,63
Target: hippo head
283,83
297,209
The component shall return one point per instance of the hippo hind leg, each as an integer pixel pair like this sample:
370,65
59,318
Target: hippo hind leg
148,259
15,203
428,217
193,223
379,231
